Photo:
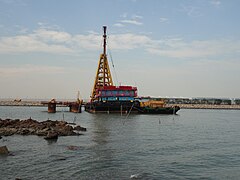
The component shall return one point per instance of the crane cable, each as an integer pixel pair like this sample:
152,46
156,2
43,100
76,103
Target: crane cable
114,70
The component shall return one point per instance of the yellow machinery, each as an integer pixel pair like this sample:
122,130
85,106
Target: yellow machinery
153,104
103,75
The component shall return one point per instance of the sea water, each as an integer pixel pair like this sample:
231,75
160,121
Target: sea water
195,144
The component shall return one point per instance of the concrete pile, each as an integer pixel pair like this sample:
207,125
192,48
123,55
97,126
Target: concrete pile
47,128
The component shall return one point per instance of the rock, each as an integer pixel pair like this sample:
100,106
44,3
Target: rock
40,127
79,128
1,123
23,131
73,148
29,126
65,131
51,135
31,131
41,133
4,150
62,123
7,131
0,137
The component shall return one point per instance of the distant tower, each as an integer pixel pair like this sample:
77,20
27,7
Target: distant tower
103,75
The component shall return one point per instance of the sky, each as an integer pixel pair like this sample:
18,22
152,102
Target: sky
167,48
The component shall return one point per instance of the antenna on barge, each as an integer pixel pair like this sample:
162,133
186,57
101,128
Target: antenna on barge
103,75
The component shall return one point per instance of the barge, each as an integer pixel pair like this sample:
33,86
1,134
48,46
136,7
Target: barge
114,99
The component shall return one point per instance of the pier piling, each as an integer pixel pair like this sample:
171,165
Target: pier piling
52,107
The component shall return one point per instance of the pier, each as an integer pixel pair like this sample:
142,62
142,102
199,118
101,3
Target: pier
75,106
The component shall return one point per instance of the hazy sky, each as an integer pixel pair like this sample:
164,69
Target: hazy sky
167,48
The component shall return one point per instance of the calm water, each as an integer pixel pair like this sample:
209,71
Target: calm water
195,144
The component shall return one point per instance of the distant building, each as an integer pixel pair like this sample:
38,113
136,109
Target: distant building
236,101
214,101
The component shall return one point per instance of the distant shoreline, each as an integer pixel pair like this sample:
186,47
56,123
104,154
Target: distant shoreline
208,106
21,103
182,106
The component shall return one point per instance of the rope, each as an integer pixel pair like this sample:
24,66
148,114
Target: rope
114,70
128,113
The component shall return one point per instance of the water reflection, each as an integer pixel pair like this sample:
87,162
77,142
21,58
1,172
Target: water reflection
101,130
103,152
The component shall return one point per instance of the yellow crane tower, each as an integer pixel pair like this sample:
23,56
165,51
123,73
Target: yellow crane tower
103,74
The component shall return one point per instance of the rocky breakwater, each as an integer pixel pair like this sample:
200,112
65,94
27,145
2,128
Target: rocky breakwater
47,128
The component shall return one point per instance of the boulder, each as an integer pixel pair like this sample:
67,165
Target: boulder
4,150
65,131
40,127
1,123
73,148
23,131
29,126
62,123
41,133
51,135
7,131
79,128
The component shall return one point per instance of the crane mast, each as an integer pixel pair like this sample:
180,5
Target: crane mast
103,75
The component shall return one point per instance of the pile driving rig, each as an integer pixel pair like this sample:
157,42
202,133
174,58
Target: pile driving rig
105,96
124,99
